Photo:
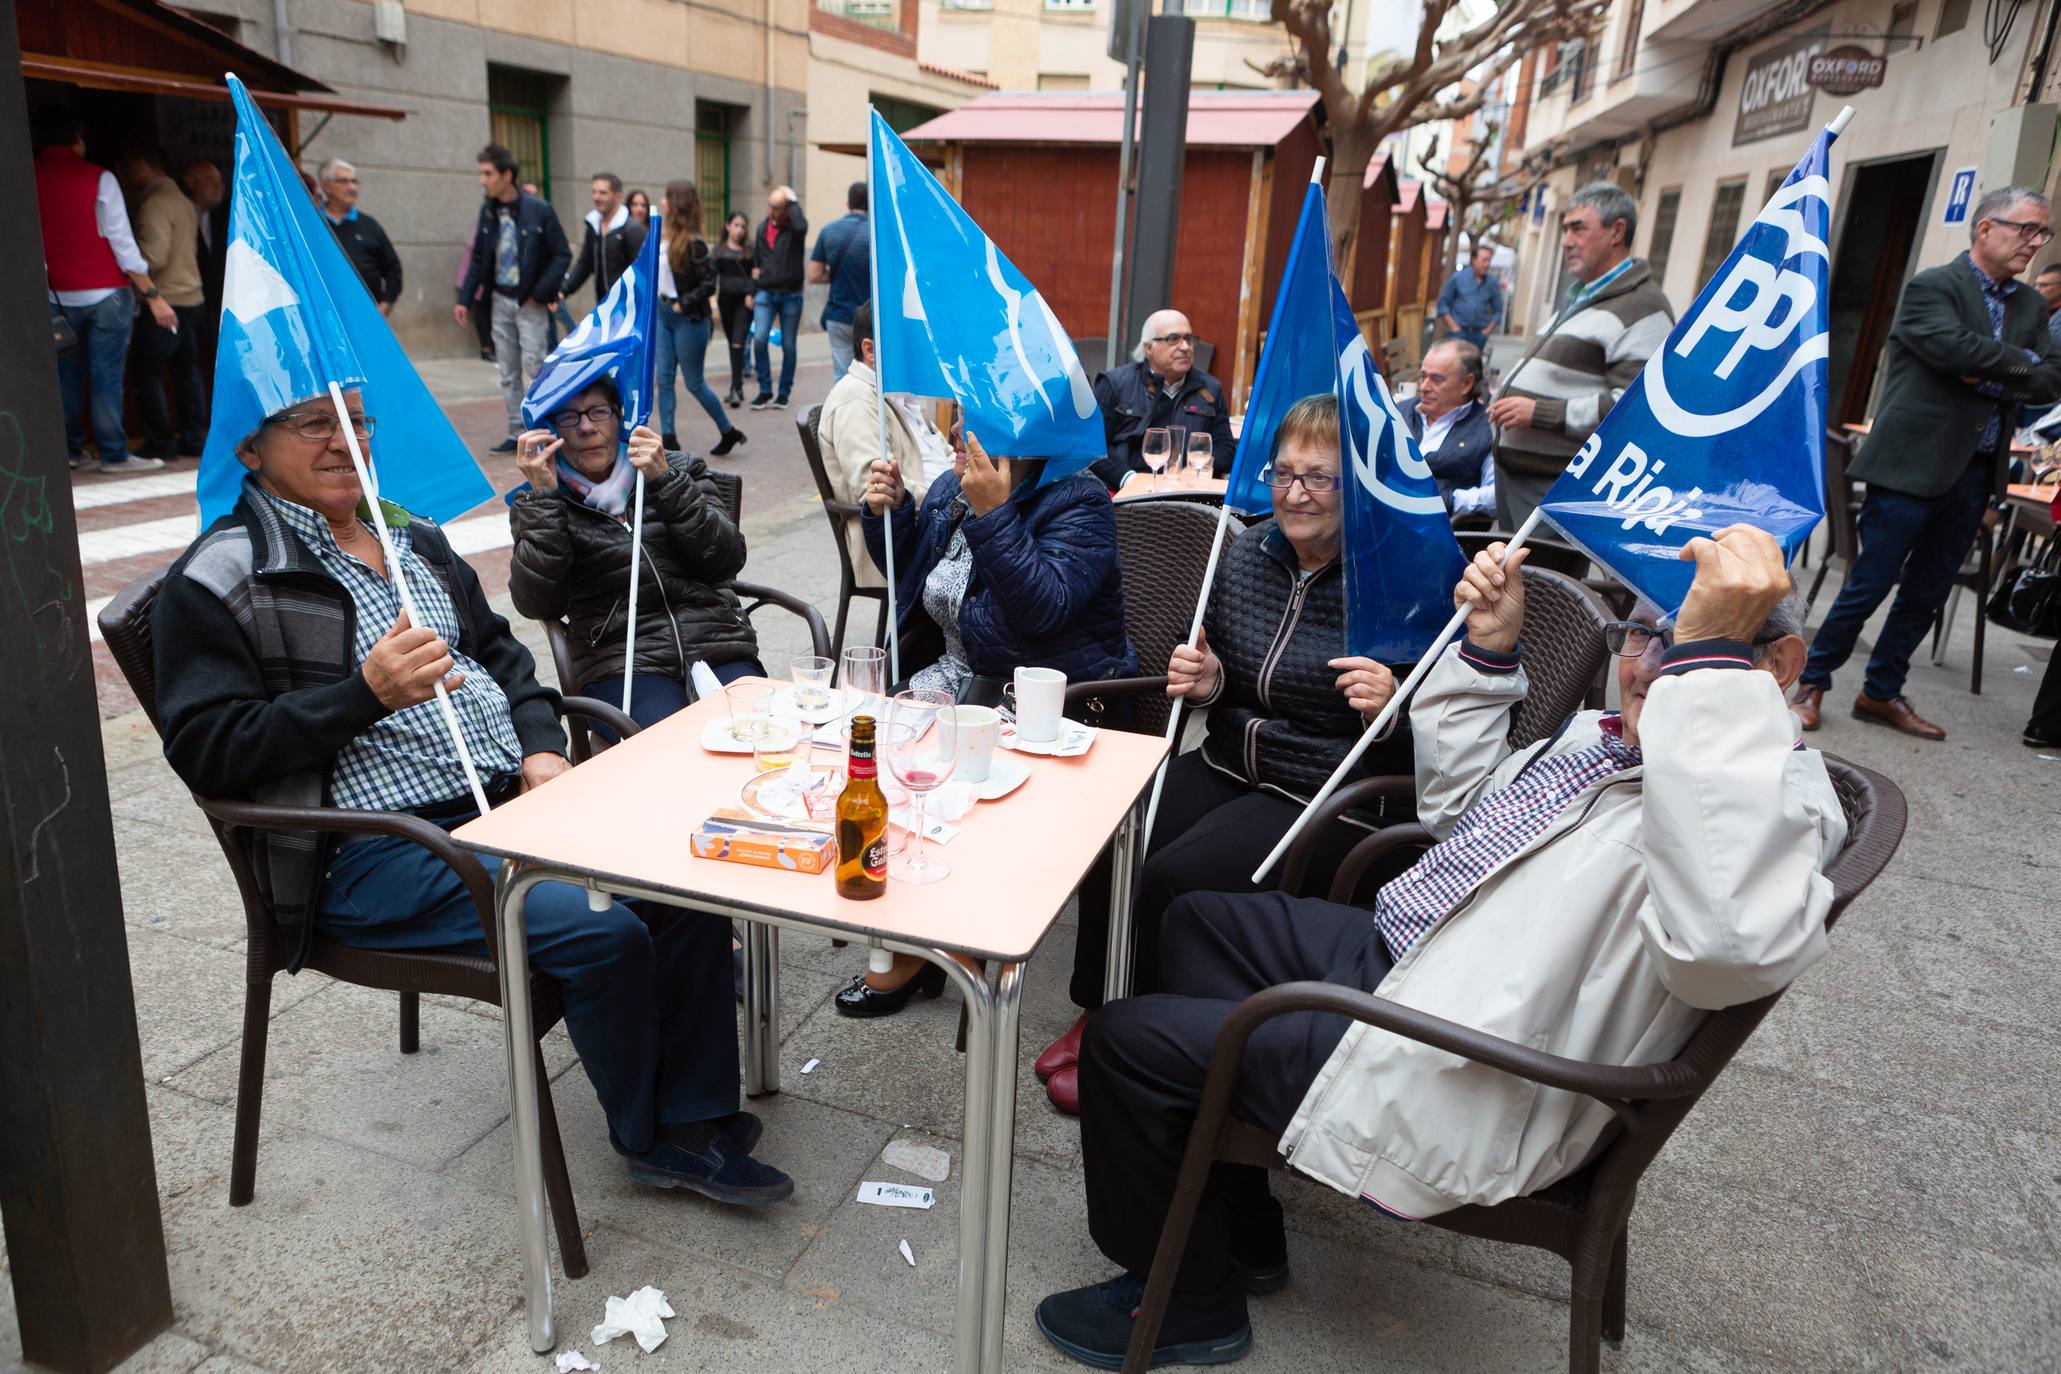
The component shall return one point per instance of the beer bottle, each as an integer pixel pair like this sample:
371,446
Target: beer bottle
862,821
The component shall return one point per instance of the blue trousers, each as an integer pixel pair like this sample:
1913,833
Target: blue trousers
684,341
654,697
649,998
1918,542
788,306
102,355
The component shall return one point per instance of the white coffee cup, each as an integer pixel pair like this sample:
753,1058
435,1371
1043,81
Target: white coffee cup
1040,697
979,728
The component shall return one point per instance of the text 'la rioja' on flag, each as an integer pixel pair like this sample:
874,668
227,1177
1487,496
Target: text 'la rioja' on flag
296,317
1726,425
618,339
953,317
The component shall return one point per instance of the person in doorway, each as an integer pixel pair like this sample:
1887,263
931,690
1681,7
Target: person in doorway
848,432
1968,347
1452,428
843,258
519,254
95,275
686,282
733,297
1614,318
1470,305
210,196
1160,386
776,274
614,238
168,235
364,242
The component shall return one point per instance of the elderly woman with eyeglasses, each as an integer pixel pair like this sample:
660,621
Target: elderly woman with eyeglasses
1286,704
572,556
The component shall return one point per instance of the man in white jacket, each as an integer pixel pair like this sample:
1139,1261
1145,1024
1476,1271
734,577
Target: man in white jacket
1592,897
848,429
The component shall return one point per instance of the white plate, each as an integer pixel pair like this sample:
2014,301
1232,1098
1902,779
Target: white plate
1074,739
1005,775
784,704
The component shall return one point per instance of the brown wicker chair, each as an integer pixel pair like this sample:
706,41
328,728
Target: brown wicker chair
125,624
1582,1218
1564,658
841,515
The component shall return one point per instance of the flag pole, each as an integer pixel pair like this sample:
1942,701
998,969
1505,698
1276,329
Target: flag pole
393,565
887,522
1388,712
1209,578
636,566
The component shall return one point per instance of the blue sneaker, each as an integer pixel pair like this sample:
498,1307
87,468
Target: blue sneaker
1093,1324
718,1170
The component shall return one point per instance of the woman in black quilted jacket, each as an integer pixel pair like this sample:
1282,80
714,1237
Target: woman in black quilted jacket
572,556
1286,705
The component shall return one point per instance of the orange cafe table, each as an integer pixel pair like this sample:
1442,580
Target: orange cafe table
618,824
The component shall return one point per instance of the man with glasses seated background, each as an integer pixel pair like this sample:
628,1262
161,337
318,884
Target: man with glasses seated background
1969,344
1160,387
1558,910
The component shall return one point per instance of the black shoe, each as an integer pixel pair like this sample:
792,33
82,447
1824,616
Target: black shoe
860,998
732,437
505,446
2040,739
1093,1324
762,400
780,402
744,1129
1260,1280
669,441
734,399
717,1168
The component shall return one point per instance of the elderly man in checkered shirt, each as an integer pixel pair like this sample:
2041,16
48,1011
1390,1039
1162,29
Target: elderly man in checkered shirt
1592,896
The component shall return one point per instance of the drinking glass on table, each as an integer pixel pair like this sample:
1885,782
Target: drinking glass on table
921,744
810,674
1201,458
750,700
1157,448
862,673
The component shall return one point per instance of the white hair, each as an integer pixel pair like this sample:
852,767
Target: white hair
331,167
1145,334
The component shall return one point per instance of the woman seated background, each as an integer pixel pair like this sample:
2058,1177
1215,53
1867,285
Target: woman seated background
572,556
994,573
1286,706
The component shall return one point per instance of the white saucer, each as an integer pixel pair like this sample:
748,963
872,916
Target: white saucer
1005,775
717,739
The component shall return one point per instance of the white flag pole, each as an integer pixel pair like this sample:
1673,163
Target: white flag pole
393,566
887,523
636,566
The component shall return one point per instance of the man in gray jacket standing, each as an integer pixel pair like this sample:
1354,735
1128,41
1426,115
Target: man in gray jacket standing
1559,911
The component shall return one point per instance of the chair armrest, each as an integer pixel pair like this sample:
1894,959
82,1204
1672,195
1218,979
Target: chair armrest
1077,692
843,510
248,815
1364,855
756,595
1350,797
599,712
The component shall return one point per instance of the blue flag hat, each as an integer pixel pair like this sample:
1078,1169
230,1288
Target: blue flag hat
615,340
1726,424
296,317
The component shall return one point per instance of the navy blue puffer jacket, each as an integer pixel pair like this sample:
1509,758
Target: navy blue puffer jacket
1046,589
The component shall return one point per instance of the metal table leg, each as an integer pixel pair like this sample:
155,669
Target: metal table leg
511,888
761,1009
1123,851
975,1201
1001,1150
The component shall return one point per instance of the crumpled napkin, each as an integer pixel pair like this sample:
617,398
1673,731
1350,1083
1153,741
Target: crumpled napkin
637,1315
570,1361
706,683
951,802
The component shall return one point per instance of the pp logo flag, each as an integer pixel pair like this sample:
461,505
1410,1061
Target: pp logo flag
616,339
1726,425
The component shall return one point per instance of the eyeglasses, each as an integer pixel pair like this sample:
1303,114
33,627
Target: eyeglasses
1176,340
2035,234
1632,638
566,421
320,427
1315,483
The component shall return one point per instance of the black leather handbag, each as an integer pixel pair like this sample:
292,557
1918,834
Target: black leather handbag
2030,602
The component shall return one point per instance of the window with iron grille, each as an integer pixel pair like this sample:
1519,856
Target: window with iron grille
1724,228
1661,237
712,165
519,119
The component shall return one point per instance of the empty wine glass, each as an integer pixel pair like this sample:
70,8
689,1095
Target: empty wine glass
921,744
1200,458
1157,448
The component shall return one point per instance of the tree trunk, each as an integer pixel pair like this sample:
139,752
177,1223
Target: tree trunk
1352,148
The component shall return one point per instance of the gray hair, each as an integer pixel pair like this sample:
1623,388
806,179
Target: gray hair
1611,203
1468,357
2001,202
332,167
1786,619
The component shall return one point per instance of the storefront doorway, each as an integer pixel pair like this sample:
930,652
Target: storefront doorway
1881,211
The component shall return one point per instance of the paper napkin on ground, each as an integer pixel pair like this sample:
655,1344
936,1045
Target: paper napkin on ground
638,1315
571,1361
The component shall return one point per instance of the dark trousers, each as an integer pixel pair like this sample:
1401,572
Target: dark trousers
1143,1061
2046,707
654,696
156,353
1211,832
735,312
648,999
1915,541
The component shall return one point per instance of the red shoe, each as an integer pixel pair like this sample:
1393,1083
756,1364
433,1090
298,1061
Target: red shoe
1064,1088
1063,1052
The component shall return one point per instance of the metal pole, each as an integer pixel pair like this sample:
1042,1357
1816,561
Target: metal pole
512,962
887,523
1114,349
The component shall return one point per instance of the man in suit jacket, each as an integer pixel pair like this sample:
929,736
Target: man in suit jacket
1969,345
1452,427
210,195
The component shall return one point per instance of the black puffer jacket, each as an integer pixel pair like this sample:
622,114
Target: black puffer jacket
1278,721
572,560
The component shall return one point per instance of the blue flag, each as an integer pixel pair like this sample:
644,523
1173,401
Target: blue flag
953,317
296,317
617,338
1300,358
1727,423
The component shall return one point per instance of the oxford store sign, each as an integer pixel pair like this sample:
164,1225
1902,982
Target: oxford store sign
1775,96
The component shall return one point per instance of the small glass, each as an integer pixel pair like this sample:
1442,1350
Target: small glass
862,672
779,743
921,745
1201,459
751,708
811,677
1157,448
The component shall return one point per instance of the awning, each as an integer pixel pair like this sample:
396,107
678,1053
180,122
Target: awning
41,67
1216,119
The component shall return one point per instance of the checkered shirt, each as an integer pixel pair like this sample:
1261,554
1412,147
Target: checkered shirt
1490,834
1994,294
406,761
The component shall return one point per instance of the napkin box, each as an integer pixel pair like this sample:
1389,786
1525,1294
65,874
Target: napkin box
793,852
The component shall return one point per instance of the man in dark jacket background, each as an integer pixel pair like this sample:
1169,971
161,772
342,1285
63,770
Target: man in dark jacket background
520,253
1161,386
1452,427
364,241
777,270
614,238
1969,345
